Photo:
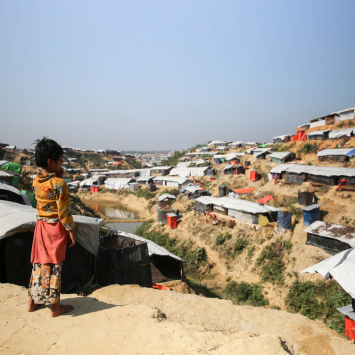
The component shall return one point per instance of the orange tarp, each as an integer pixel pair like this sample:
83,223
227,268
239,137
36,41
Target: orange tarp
265,199
244,191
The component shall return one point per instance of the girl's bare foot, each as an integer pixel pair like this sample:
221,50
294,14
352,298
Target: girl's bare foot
58,309
31,305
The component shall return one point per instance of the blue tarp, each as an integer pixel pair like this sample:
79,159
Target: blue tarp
284,220
311,216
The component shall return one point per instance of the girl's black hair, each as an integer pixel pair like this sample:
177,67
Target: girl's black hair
47,149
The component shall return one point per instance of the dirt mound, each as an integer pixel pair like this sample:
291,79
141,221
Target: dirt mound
133,320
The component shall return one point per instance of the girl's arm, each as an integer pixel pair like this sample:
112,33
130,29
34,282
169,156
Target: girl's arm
63,204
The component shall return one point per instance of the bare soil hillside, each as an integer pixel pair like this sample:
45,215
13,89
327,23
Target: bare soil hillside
133,320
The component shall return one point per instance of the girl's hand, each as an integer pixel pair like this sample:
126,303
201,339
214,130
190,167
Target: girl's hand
61,173
72,238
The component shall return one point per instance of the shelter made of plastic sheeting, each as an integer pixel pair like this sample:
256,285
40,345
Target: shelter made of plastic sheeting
16,218
11,194
327,152
306,198
311,214
344,234
338,133
116,184
185,172
166,196
284,220
313,170
341,267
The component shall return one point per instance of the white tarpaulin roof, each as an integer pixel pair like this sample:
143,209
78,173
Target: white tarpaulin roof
144,178
238,205
282,136
192,188
187,163
91,181
313,170
160,167
179,180
341,267
118,183
344,234
163,197
346,152
279,155
143,172
153,249
3,162
341,132
16,191
184,172
16,218
232,166
236,143
316,133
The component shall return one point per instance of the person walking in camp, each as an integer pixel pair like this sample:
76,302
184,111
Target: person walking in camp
54,228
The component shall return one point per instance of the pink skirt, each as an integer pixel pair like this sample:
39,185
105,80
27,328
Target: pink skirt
49,243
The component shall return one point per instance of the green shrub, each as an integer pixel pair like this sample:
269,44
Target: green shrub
296,211
245,293
271,263
194,257
145,193
341,124
240,245
222,238
308,148
319,301
174,192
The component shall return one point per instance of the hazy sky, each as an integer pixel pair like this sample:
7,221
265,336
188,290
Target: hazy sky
141,75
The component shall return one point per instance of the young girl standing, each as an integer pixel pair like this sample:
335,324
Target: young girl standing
54,228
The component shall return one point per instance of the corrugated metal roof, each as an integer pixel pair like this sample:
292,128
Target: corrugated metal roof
345,234
346,152
313,170
279,155
154,249
163,197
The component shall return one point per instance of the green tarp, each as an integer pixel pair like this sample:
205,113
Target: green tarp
12,167
31,195
16,181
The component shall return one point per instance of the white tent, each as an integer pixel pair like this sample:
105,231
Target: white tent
172,181
16,218
313,170
118,183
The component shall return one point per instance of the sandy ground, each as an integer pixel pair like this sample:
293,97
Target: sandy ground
133,320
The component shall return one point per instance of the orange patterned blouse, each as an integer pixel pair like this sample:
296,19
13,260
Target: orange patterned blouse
53,203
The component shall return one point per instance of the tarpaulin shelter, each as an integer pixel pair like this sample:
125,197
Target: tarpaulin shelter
123,260
338,133
244,211
169,264
311,214
303,128
236,193
11,194
253,176
284,219
341,155
282,139
340,267
7,177
185,172
318,135
17,224
281,157
306,198
166,199
144,180
12,167
327,175
331,237
172,181
118,183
